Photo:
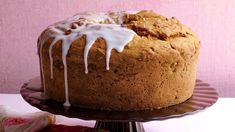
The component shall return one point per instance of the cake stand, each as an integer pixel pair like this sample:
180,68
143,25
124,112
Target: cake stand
203,97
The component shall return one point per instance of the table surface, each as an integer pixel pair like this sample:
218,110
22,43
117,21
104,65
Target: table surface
219,117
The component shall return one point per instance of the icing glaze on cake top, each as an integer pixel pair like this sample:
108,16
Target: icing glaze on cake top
93,25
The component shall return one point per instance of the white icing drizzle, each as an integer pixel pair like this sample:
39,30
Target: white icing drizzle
112,34
93,26
50,56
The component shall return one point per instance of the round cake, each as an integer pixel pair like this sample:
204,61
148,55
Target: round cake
122,61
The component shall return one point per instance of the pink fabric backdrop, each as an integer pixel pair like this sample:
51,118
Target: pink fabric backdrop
21,22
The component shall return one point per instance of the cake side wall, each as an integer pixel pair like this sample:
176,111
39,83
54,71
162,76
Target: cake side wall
147,74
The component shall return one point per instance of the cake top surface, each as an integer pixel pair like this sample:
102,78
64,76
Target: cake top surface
148,23
143,23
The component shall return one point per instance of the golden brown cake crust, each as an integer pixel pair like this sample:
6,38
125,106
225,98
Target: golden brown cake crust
156,69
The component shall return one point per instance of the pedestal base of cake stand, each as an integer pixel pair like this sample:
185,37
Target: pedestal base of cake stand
120,126
203,97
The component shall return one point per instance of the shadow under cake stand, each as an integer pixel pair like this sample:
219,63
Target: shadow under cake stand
203,97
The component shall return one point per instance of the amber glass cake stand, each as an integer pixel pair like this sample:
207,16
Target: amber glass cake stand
203,97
